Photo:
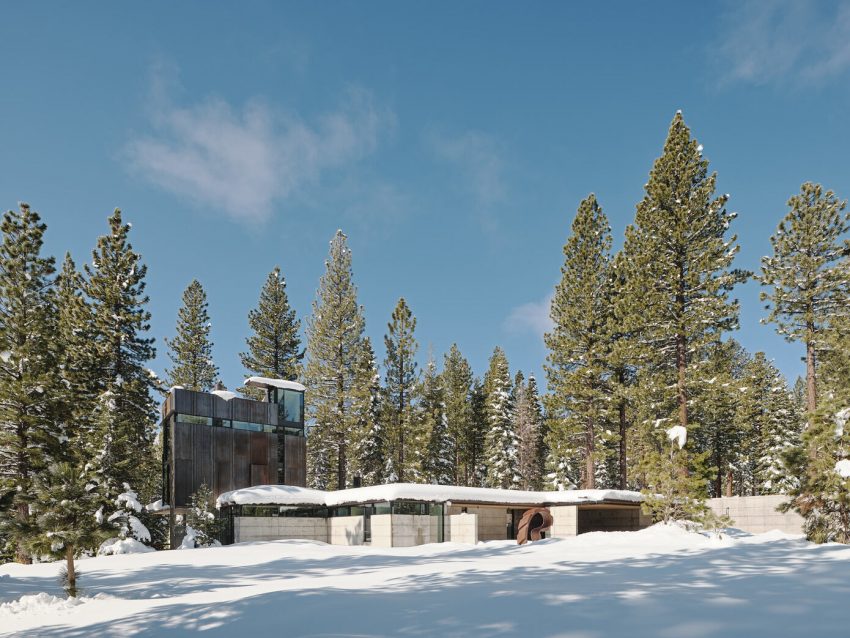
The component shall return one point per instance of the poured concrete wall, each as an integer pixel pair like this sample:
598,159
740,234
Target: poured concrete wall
382,530
492,520
564,521
345,530
757,514
411,529
271,528
463,528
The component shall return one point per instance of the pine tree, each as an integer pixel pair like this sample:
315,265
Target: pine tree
476,437
500,442
808,274
715,403
274,348
334,346
771,423
191,349
578,344
433,423
201,518
679,279
125,411
67,519
457,395
400,384
368,460
29,433
528,425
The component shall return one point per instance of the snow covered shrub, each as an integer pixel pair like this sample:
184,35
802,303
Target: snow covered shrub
66,519
125,519
202,524
823,497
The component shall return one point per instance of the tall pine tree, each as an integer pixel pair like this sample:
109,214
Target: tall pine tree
29,364
457,394
807,276
500,442
578,344
274,348
401,378
334,347
369,459
679,278
432,422
191,349
123,445
528,425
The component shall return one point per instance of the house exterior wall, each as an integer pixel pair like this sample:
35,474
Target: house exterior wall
609,520
463,528
757,514
382,530
410,529
272,528
564,521
493,520
345,530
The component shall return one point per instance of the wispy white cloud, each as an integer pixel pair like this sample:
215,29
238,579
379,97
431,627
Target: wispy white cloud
479,159
531,317
783,41
243,160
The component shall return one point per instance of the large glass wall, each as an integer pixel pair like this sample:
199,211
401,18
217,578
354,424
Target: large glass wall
238,425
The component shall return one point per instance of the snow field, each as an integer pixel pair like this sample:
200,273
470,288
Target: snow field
662,581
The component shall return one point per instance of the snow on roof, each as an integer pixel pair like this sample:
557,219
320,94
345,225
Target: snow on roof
227,395
292,495
266,382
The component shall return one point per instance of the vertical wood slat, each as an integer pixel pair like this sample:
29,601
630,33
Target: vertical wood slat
295,460
241,459
271,460
259,474
203,456
259,448
223,460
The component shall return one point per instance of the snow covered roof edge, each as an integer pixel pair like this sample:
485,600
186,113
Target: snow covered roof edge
267,382
292,495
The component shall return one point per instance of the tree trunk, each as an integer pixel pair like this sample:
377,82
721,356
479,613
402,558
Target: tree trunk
729,481
681,366
21,554
811,381
623,424
590,471
71,572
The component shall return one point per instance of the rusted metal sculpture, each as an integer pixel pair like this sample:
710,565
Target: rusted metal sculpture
533,523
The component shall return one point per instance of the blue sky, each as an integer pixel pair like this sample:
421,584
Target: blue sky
452,142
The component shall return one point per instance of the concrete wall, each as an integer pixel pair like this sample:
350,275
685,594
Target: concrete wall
492,520
756,514
564,521
411,529
463,528
382,530
271,528
345,530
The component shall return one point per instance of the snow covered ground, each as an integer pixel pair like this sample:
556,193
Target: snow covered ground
661,581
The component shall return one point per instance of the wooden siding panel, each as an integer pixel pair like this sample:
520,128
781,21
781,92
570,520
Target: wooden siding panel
241,409
259,448
182,482
183,401
295,460
203,457
223,459
241,459
221,408
182,441
203,403
259,474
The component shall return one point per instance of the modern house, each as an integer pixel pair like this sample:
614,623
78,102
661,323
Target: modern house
402,515
227,442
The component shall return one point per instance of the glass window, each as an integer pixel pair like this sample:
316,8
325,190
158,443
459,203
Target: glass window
293,431
382,508
245,425
189,418
293,406
221,423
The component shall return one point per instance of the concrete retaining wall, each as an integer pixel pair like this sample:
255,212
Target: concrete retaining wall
757,514
411,529
271,528
463,528
492,520
564,521
345,530
382,530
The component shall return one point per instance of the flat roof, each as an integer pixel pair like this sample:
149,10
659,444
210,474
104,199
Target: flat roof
267,382
291,495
